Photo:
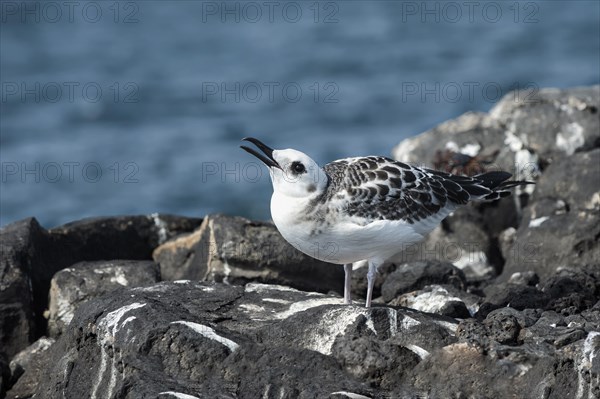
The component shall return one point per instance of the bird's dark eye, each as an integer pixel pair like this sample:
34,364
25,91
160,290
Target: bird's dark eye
298,168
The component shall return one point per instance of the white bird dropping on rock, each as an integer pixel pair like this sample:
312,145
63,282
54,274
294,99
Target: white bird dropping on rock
364,208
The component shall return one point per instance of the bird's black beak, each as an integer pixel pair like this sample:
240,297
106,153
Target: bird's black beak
268,151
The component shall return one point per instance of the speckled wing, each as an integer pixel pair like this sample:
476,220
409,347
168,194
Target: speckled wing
379,188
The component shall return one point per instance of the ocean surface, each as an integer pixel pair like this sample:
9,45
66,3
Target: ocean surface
138,107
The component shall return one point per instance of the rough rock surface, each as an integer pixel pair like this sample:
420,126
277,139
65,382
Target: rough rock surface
444,300
237,250
525,134
222,341
33,360
560,226
4,374
413,276
516,296
549,124
85,280
19,245
121,237
205,340
31,255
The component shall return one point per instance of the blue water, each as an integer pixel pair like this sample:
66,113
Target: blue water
138,107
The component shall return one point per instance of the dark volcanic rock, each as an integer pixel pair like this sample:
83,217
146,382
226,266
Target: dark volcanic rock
220,341
553,123
236,250
382,364
525,278
456,309
503,328
445,300
556,363
20,244
473,332
4,374
30,359
205,341
31,255
416,275
480,131
121,237
549,124
85,280
560,128
573,290
516,296
561,226
499,371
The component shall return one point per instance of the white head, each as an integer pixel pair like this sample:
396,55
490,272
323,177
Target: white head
293,173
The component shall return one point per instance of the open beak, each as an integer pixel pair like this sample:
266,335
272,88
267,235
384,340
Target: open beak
268,151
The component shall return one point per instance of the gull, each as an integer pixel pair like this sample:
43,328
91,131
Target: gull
364,208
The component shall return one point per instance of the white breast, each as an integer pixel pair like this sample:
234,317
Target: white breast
345,240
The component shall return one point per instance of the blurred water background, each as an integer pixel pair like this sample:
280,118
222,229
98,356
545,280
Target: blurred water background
138,107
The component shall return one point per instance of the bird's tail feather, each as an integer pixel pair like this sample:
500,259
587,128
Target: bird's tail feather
498,184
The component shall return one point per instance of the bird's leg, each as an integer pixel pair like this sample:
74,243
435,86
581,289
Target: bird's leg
347,283
371,281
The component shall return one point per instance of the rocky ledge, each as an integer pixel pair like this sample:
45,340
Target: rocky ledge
501,300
